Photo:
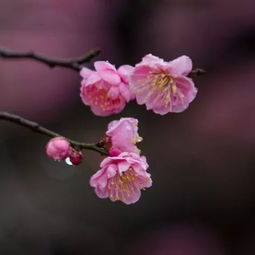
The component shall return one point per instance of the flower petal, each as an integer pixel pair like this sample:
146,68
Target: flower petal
123,166
181,65
85,72
107,72
101,66
125,71
110,76
92,78
113,92
151,60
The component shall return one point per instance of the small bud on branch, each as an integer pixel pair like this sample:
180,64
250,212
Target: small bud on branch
35,127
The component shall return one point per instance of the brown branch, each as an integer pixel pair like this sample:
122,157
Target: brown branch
35,127
196,72
71,63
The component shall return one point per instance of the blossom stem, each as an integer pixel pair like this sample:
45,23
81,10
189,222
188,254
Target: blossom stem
71,63
196,72
35,127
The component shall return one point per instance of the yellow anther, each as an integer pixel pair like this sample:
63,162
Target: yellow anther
174,89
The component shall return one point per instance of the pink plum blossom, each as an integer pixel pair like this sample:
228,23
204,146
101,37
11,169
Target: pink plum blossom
106,90
123,134
122,177
163,86
58,148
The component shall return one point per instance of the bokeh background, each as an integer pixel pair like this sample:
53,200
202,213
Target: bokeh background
202,161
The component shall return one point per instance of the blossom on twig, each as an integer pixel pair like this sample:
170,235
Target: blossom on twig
122,178
106,90
163,86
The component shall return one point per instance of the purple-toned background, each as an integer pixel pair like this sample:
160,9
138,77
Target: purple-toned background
202,161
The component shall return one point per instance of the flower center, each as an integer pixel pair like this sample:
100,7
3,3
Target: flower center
163,81
124,186
162,88
99,97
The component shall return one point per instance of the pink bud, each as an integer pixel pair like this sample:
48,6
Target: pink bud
58,148
114,152
123,134
75,156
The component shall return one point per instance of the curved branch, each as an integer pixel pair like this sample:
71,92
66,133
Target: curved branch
35,127
71,63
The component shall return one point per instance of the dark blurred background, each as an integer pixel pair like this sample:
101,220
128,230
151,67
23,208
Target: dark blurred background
202,201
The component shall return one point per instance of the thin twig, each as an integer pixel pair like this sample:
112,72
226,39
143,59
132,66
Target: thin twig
71,63
196,72
35,127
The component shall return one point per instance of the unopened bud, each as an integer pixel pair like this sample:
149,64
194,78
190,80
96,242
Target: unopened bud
114,152
75,156
58,148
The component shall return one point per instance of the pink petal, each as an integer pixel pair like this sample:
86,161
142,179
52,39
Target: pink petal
93,78
106,161
107,72
110,76
133,198
162,110
123,166
99,179
101,193
111,170
114,109
125,71
180,66
113,92
85,72
126,92
150,59
101,66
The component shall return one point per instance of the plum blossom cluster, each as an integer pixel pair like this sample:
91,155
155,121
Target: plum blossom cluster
162,86
123,174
